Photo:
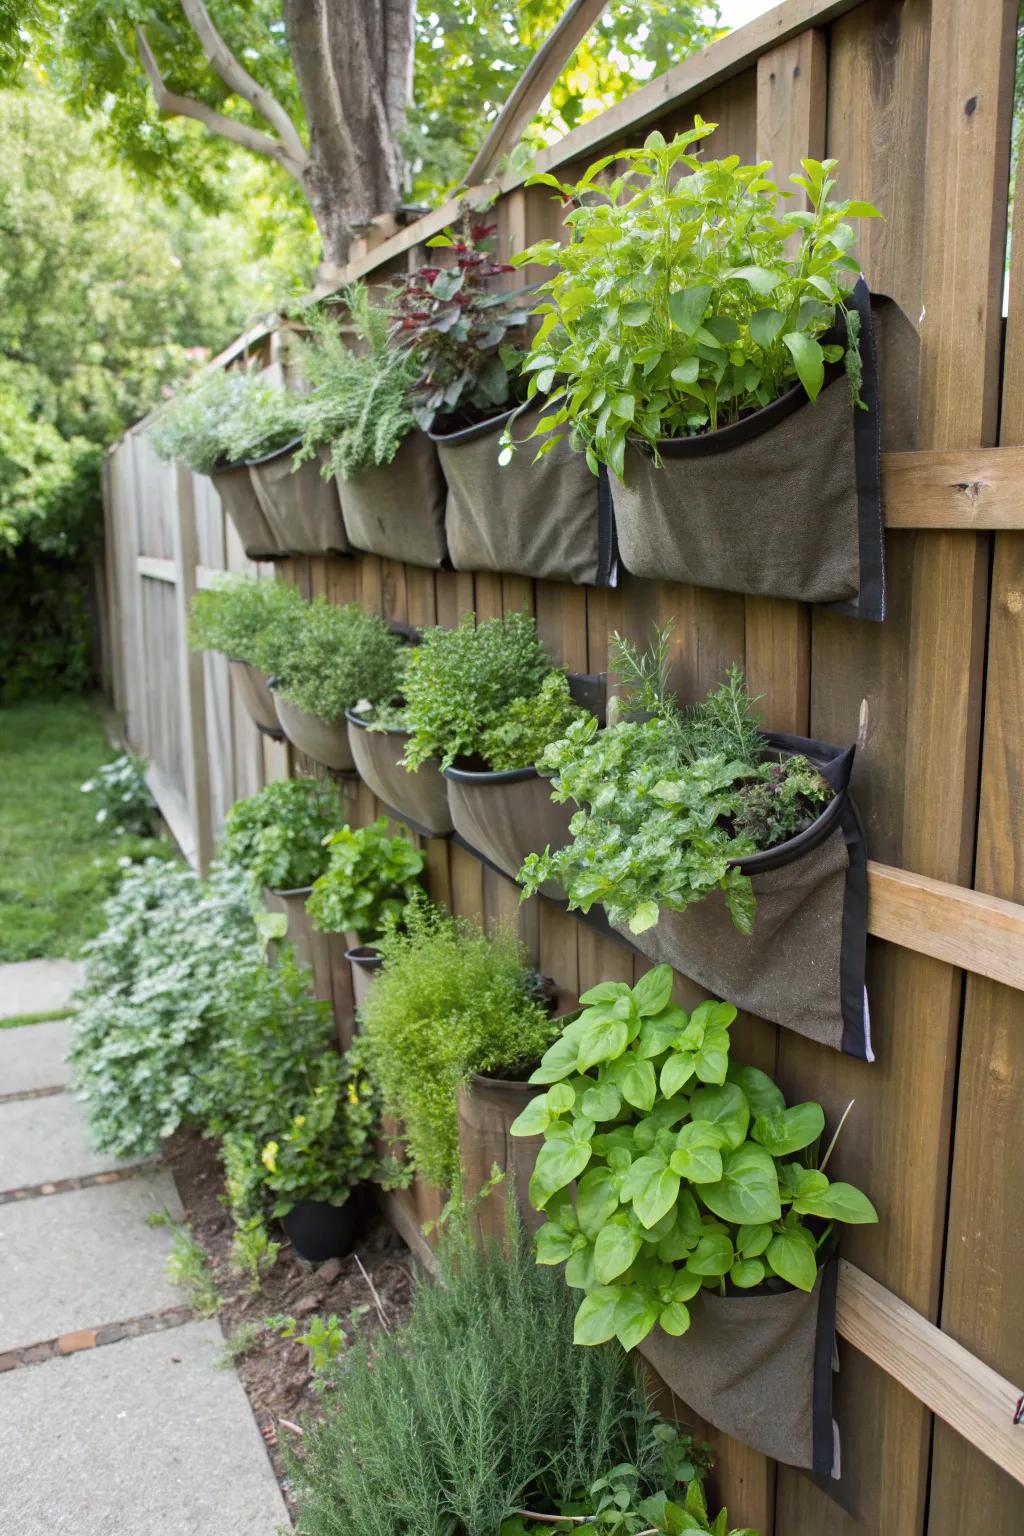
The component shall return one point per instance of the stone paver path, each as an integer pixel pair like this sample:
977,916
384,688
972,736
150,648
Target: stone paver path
114,1418
37,986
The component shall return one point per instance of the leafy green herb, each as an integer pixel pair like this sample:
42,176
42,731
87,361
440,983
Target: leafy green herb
225,417
252,1252
278,835
188,1265
369,880
677,308
124,804
245,619
619,1504
689,1170
331,655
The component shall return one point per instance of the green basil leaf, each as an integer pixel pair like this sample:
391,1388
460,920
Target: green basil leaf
748,1192
553,1244
597,1199
674,1319
635,1315
724,1106
712,1256
595,1319
656,1192
557,1062
534,1119
602,1102
697,1158
789,1130
839,1202
615,1247
561,1098
752,1241
760,278
761,1093
635,1080
676,1073
793,1260
604,1040
686,307
746,1273
635,312
653,992
808,361
558,1163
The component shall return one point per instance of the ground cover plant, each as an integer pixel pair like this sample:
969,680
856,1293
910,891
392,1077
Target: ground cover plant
689,1170
332,655
370,879
448,1001
444,1427
57,863
677,308
487,691
225,417
669,798
356,404
121,797
278,836
244,618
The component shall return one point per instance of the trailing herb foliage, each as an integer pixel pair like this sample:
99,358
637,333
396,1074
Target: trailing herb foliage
225,417
147,1012
669,799
484,690
462,337
443,1428
356,405
369,880
123,802
448,1001
676,307
621,1504
278,835
689,1170
245,619
331,655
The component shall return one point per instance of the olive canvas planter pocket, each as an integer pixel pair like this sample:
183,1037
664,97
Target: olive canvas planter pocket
506,816
803,966
550,519
487,1108
311,947
256,694
325,741
300,507
784,503
759,1367
397,510
234,486
419,798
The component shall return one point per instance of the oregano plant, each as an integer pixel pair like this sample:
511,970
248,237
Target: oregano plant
684,299
689,1170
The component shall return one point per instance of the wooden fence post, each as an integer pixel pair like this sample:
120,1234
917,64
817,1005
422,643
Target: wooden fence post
190,671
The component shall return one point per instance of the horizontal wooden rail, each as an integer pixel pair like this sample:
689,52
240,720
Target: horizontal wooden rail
159,569
975,1401
960,488
970,929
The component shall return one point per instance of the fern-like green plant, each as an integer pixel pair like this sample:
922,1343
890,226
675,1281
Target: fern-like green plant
357,403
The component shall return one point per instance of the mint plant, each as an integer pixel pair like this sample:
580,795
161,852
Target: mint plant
690,1170
370,879
677,307
278,835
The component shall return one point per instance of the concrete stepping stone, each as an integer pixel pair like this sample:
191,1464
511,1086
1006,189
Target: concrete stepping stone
37,986
45,1140
84,1258
143,1438
32,1057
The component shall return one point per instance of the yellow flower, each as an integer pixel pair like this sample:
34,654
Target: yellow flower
269,1156
353,1095
300,1120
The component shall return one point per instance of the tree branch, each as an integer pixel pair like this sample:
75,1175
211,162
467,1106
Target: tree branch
173,105
238,79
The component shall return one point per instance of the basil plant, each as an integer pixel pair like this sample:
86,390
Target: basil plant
689,1169
684,299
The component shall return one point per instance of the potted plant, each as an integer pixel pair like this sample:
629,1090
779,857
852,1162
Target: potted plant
701,1215
717,357
331,657
244,618
378,735
450,1008
483,701
733,853
196,427
369,880
359,421
278,836
465,336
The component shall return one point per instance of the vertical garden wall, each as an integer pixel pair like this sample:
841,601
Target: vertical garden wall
914,99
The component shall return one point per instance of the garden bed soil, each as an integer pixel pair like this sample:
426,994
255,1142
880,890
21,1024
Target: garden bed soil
275,1372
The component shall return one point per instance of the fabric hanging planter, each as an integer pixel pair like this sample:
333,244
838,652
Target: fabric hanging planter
300,507
325,741
786,502
759,1366
256,694
487,1107
803,966
419,798
506,816
311,947
234,486
551,519
397,510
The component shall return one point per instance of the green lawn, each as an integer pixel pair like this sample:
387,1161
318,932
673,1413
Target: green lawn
56,864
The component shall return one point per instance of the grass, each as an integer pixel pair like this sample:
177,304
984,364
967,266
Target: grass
18,1019
57,865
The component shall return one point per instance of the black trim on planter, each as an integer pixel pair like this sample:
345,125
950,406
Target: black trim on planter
291,446
824,1347
835,764
607,537
405,632
853,992
871,600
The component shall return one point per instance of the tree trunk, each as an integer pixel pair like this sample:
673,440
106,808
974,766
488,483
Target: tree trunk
353,62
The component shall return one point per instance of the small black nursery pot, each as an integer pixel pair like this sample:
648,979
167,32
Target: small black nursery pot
550,519
318,1230
420,798
786,502
234,486
397,509
803,966
759,1367
300,507
366,962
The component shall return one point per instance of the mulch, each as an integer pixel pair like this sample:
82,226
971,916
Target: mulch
275,1372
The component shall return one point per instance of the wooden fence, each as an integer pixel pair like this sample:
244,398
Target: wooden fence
914,98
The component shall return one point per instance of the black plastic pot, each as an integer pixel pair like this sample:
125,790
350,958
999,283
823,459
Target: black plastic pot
365,961
318,1230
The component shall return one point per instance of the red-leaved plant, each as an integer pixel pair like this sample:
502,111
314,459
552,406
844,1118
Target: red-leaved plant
466,337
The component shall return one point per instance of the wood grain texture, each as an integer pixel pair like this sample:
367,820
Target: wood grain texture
970,929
